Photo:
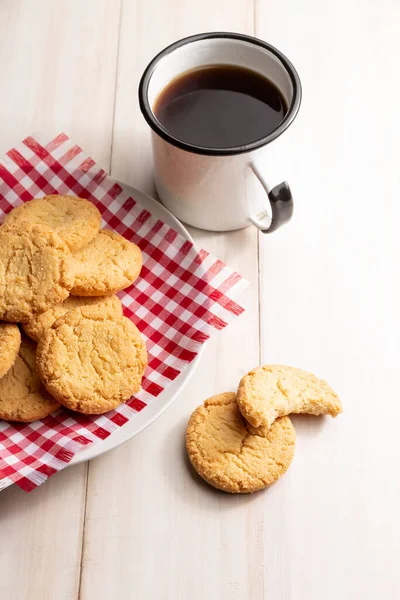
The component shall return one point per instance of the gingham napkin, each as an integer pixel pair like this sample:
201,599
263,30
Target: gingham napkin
181,298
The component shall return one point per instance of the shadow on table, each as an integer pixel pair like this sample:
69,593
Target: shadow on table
203,492
176,458
309,425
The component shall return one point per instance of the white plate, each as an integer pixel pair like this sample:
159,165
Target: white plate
151,412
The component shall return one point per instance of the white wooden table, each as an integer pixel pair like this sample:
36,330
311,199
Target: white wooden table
324,295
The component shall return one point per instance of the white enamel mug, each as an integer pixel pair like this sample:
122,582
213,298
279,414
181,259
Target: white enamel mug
219,189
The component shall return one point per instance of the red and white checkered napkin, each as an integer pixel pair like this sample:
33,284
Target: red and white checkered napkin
181,297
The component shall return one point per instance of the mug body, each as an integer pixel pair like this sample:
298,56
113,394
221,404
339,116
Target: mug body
217,193
214,188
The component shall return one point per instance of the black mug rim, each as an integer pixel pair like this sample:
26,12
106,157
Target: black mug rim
168,137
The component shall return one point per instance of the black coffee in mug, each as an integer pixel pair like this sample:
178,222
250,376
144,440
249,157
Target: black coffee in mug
220,106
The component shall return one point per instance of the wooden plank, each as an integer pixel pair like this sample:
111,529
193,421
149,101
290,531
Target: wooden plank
330,303
156,527
41,538
58,67
57,72
145,30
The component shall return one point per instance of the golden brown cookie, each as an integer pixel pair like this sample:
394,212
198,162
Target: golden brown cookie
75,220
22,396
36,327
230,454
34,271
91,359
273,391
10,341
108,264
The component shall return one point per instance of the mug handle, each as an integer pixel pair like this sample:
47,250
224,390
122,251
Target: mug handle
281,201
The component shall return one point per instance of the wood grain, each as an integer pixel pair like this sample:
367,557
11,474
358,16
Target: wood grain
57,73
143,499
58,69
329,303
41,538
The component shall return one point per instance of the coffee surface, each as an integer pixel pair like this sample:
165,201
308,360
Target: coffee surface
220,106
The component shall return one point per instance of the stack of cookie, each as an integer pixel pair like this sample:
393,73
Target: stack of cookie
59,274
243,442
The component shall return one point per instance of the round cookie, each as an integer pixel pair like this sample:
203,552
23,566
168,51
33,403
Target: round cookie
22,396
108,264
10,341
272,391
37,326
230,454
91,360
75,220
34,271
